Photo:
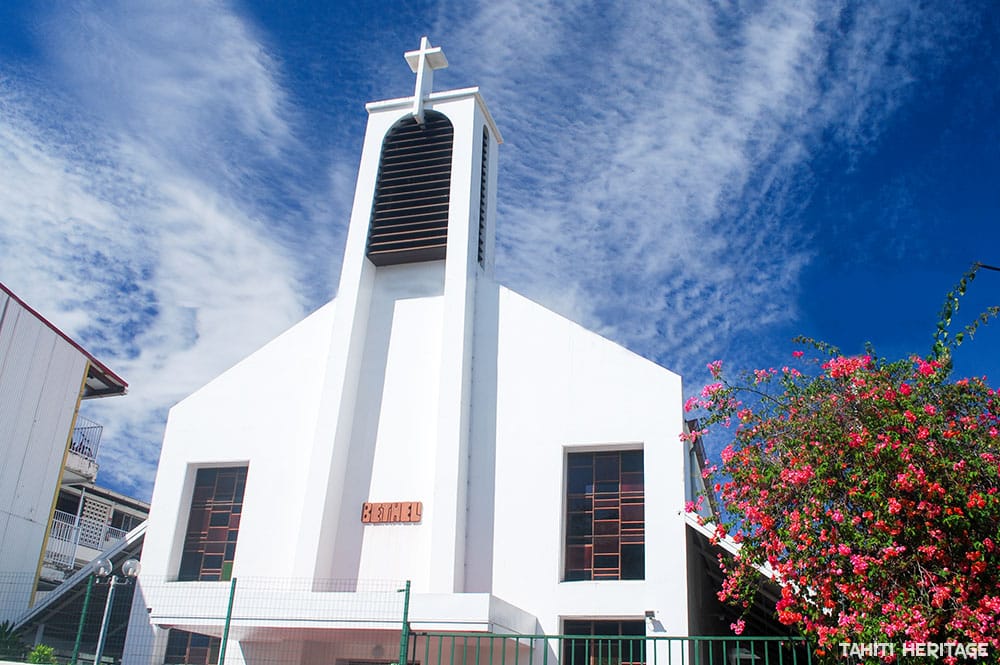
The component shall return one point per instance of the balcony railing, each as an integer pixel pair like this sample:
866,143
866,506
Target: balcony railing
60,551
86,438
66,535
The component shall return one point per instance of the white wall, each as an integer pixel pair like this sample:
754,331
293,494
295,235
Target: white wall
554,387
261,413
560,388
41,377
394,434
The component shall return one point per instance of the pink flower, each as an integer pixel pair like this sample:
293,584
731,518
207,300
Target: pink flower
929,409
797,476
842,366
798,354
738,626
711,389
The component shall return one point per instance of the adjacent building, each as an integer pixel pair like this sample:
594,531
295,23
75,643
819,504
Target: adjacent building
88,519
45,446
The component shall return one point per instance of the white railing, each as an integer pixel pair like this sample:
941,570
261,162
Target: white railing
65,536
63,518
113,535
86,438
61,548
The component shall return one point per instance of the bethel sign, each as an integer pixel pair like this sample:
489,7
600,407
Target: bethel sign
382,513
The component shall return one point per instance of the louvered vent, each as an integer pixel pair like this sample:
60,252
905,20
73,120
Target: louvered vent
483,178
410,216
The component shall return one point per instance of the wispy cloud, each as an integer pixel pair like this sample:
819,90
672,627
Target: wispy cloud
138,213
171,73
170,197
655,191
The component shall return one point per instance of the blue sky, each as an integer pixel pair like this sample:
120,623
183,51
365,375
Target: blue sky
693,180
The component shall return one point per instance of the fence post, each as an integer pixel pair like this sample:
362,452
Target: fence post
404,637
229,618
83,618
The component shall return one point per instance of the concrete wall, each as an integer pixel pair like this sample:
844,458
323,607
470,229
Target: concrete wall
556,387
260,413
394,435
562,388
41,377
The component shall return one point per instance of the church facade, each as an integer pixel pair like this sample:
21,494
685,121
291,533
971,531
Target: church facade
429,425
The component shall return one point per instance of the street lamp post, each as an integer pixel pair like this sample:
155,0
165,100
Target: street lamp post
103,571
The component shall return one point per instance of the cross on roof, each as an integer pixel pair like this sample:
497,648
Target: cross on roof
423,62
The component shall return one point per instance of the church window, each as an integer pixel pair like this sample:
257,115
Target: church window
213,524
409,221
605,516
604,642
191,648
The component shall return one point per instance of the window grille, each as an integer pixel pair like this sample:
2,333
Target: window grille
191,648
613,642
213,524
605,516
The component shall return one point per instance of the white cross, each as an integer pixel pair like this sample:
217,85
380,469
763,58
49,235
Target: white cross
423,62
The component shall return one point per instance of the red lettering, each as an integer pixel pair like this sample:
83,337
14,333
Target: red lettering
399,511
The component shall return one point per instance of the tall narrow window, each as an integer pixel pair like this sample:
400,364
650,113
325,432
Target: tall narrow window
409,220
605,516
213,524
484,177
612,643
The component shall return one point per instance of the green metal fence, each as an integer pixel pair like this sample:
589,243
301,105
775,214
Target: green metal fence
432,648
286,621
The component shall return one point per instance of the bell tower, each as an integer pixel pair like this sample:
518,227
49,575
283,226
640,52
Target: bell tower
427,182
420,241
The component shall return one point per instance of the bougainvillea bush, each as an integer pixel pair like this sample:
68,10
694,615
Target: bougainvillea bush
871,489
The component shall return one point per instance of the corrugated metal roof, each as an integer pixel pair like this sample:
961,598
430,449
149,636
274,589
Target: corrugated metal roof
101,381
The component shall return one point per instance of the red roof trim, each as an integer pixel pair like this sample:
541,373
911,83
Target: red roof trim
94,361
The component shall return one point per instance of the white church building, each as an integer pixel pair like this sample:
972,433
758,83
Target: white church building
428,425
